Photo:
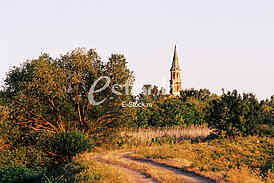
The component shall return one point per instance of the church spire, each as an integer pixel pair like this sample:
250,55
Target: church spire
175,63
175,73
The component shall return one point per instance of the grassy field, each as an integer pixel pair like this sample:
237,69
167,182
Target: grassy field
241,160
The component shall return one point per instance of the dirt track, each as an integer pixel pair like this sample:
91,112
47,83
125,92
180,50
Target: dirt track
139,176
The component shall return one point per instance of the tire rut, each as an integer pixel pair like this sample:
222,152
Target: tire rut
187,176
134,176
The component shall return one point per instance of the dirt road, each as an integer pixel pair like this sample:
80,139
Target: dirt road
137,169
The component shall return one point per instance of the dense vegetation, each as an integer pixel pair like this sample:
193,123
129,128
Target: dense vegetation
230,114
235,115
46,117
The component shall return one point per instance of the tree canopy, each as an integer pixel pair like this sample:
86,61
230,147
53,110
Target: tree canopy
53,94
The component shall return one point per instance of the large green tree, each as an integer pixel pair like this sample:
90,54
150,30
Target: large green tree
53,94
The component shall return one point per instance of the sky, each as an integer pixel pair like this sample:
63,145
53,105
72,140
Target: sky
221,43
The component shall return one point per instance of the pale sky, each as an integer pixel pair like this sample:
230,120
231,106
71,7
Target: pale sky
221,43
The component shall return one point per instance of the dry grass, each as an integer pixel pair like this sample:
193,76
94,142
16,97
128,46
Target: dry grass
96,172
243,175
236,160
142,136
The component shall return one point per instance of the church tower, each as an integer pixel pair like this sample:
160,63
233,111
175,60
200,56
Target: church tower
175,73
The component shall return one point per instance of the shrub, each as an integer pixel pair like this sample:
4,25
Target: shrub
67,144
19,174
143,116
170,112
175,112
233,115
28,156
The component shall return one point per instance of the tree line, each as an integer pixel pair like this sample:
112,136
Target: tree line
46,116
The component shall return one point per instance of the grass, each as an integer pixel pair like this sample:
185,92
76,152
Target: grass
96,172
142,136
229,159
85,171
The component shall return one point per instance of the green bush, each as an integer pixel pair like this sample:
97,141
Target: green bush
233,115
170,112
19,174
28,156
176,112
67,144
143,117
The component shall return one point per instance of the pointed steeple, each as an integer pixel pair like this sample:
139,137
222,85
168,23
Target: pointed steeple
175,76
175,62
